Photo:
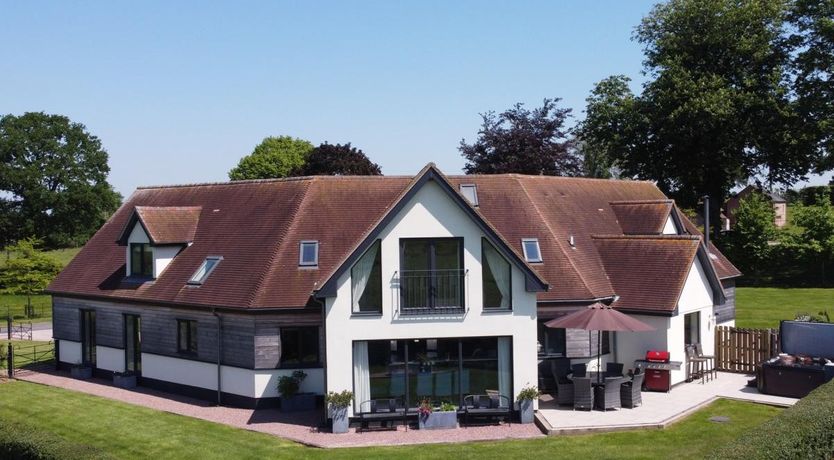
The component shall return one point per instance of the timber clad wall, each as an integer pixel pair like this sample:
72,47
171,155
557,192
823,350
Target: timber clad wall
727,310
582,344
250,341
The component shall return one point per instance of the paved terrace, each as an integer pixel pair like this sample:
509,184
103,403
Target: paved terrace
658,409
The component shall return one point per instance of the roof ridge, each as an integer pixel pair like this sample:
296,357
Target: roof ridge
558,242
279,243
635,202
549,177
646,237
268,181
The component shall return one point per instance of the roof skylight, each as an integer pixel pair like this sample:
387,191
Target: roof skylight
202,273
308,255
470,192
532,252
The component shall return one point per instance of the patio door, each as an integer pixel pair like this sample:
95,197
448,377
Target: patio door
88,337
133,344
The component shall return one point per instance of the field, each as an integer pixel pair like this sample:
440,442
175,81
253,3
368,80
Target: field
765,307
15,305
127,431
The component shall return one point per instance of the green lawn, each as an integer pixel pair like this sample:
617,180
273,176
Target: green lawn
30,352
127,431
765,307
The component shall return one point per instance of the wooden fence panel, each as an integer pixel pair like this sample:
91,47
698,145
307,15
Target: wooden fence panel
741,350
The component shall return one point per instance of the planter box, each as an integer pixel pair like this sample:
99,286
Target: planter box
298,403
340,420
439,421
126,381
526,409
81,372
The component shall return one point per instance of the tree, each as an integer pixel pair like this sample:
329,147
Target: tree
717,109
28,273
523,141
816,234
53,179
338,160
274,157
749,244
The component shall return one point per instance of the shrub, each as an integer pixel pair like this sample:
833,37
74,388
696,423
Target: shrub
339,400
805,430
28,443
528,394
288,385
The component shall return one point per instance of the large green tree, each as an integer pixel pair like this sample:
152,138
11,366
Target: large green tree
718,107
749,244
274,157
53,180
520,140
28,273
338,160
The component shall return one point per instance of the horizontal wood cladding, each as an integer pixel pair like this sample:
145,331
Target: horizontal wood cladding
727,310
583,344
251,341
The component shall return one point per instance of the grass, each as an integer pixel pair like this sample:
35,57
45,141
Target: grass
765,307
29,352
14,305
127,431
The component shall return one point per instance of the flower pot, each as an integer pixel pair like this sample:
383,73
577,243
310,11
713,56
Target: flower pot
340,419
82,372
441,420
126,381
526,409
298,402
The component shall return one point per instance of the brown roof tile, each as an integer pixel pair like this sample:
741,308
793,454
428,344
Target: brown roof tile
642,217
169,224
648,272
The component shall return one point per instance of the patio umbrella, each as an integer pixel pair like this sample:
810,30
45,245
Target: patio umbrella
599,317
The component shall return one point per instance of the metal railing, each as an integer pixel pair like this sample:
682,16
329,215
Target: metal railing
432,291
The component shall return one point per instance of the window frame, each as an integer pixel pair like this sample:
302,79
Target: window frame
432,269
191,336
484,242
301,261
299,348
199,282
142,260
474,188
527,257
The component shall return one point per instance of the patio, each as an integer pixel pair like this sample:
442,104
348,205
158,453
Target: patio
658,409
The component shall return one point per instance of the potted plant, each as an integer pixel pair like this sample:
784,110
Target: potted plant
291,399
81,371
525,403
443,417
126,380
338,404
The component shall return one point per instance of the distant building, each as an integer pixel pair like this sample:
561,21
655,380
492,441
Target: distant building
780,205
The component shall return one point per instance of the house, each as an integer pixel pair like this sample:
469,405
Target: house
386,286
780,205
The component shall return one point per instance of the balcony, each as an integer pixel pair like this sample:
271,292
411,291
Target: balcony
432,292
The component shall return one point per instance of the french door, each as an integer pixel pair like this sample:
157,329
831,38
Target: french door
88,337
133,344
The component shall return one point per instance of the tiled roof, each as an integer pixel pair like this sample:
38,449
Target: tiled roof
648,272
723,267
169,224
642,217
257,227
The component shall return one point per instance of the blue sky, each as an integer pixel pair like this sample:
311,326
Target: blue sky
179,91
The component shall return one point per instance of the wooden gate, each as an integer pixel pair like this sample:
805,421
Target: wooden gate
740,350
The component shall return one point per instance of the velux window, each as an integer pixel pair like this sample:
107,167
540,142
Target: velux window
308,254
202,273
532,253
470,192
366,281
495,274
141,260
187,336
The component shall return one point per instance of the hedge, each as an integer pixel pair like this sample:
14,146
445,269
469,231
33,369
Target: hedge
804,431
23,442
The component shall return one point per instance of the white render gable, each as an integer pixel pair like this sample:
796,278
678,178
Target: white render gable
431,213
162,255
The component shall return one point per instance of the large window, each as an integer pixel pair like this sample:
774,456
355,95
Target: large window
440,369
187,336
141,260
366,281
299,346
431,275
552,341
692,328
495,275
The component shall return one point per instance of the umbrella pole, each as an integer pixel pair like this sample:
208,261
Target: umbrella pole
599,356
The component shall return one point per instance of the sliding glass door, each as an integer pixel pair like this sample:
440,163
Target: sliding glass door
442,370
88,337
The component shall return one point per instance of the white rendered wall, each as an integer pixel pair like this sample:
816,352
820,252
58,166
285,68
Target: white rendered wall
110,359
631,346
670,228
162,255
69,352
696,295
431,213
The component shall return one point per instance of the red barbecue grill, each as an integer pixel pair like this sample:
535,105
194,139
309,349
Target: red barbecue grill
658,370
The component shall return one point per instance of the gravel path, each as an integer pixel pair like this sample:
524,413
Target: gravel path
297,427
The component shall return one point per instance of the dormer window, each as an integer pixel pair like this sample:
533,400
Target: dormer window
141,260
532,253
470,192
205,270
308,254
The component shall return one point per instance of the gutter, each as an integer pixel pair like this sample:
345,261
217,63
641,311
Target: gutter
219,352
